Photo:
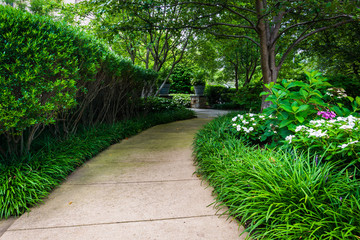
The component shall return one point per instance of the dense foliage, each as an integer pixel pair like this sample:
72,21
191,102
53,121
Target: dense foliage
180,80
182,99
291,172
297,102
278,194
52,73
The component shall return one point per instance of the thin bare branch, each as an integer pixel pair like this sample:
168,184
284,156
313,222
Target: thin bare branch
309,22
303,37
236,36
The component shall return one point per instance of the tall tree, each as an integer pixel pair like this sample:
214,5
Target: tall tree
279,25
134,28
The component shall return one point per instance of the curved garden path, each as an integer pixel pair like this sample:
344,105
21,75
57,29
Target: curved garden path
141,188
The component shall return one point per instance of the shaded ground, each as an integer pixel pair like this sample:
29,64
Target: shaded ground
140,188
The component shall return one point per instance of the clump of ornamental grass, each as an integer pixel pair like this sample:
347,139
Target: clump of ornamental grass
278,194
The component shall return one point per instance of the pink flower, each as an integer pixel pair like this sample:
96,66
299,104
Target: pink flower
327,115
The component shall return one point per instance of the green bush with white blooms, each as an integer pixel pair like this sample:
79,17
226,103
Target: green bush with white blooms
292,171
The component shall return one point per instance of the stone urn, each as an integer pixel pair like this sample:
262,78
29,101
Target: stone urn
165,89
199,90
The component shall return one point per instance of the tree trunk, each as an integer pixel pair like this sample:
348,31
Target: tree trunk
267,53
236,78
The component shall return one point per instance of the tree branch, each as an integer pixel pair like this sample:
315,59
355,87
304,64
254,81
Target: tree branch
308,22
236,36
303,37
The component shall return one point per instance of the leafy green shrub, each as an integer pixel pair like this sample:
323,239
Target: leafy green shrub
25,183
181,80
253,127
217,94
275,194
248,97
295,103
199,78
336,139
52,71
39,70
158,104
182,99
227,106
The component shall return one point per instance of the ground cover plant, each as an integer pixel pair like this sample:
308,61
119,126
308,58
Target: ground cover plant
25,181
278,194
291,172
182,99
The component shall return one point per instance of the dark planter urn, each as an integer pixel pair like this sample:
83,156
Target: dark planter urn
199,90
165,89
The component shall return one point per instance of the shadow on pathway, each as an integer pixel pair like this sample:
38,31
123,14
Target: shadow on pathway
140,188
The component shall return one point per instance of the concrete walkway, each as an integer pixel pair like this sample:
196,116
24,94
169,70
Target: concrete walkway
141,188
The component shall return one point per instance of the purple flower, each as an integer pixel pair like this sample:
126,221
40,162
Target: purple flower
340,198
316,160
327,115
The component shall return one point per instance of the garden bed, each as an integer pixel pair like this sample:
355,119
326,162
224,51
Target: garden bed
278,194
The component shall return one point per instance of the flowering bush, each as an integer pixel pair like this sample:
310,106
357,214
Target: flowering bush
252,126
296,102
336,138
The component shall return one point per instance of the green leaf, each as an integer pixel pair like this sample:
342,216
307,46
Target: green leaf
286,108
264,93
294,106
297,84
304,93
300,119
285,123
270,85
303,108
357,99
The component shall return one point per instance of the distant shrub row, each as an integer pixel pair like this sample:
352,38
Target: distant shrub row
52,73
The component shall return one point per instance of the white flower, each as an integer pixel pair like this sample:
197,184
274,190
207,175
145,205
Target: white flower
238,128
289,138
234,119
251,129
298,128
254,124
347,144
234,124
318,133
343,146
245,122
346,127
252,119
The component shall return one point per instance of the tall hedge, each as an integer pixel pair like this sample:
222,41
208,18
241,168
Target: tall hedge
52,73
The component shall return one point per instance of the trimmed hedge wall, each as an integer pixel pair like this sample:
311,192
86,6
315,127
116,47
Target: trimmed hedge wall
52,73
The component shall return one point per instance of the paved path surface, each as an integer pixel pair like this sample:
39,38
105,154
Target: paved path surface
141,188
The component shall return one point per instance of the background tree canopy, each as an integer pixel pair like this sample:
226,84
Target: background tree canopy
231,40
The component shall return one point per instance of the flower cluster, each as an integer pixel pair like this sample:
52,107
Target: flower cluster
337,138
338,92
251,125
327,115
247,122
